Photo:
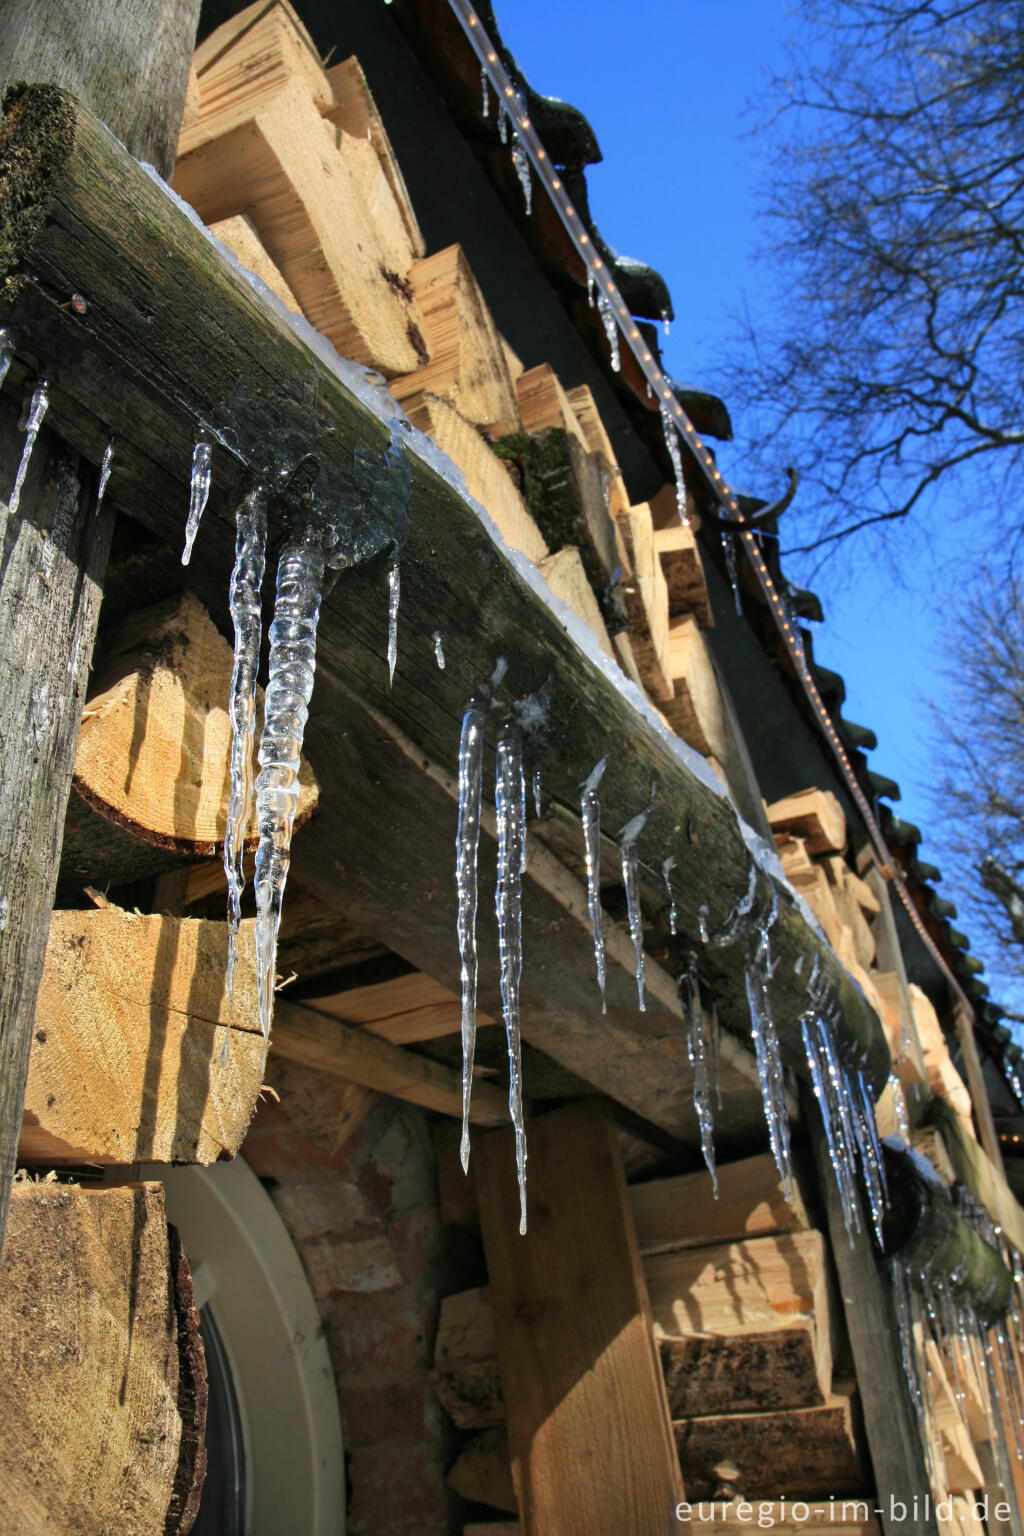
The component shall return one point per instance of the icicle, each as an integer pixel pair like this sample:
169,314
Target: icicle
673,916
290,683
590,809
33,411
246,614
521,161
840,1152
199,491
591,288
471,753
666,322
484,90
536,793
766,1049
715,1038
738,921
6,353
438,650
627,844
868,1149
394,598
105,468
702,923
668,427
697,1048
899,1104
611,328
508,906
502,124
729,550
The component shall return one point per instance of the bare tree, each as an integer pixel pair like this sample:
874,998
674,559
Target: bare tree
895,206
978,791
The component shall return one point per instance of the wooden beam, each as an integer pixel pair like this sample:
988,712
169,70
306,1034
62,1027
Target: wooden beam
589,1431
983,1178
386,758
404,1010
102,1381
891,1422
313,1040
980,1101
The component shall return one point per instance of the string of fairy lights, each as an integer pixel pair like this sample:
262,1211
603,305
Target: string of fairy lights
674,417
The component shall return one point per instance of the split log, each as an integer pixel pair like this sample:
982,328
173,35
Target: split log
584,408
956,1454
154,747
682,1212
467,363
356,112
240,237
101,1379
565,575
543,404
813,814
851,915
696,711
131,1020
801,1453
281,165
486,477
684,574
466,1375
647,603
744,1327
814,887
794,856
255,53
482,1474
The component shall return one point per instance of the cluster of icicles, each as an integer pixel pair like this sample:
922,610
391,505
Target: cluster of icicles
942,1334
310,547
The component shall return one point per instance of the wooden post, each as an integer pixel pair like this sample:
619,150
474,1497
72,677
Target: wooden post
130,60
890,1422
964,1025
589,1429
889,956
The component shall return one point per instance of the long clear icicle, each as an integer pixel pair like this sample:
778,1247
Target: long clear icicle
6,352
627,845
675,454
868,1149
729,551
300,573
521,161
536,793
508,802
394,599
33,411
439,650
611,327
835,1122
769,1058
105,469
590,811
697,1048
667,867
502,124
199,494
471,756
485,91
246,615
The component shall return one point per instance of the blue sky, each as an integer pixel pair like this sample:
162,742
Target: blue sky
667,86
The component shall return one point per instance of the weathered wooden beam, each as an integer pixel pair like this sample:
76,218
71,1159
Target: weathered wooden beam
174,338
588,1423
131,60
980,1101
313,1040
891,1423
983,1178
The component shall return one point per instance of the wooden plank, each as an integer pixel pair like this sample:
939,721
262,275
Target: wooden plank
312,1040
980,1101
239,235
744,1327
254,53
543,403
696,710
800,1453
682,1212
101,1378
388,812
890,1419
567,579
402,1010
813,814
467,363
588,1428
646,603
131,1019
281,166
